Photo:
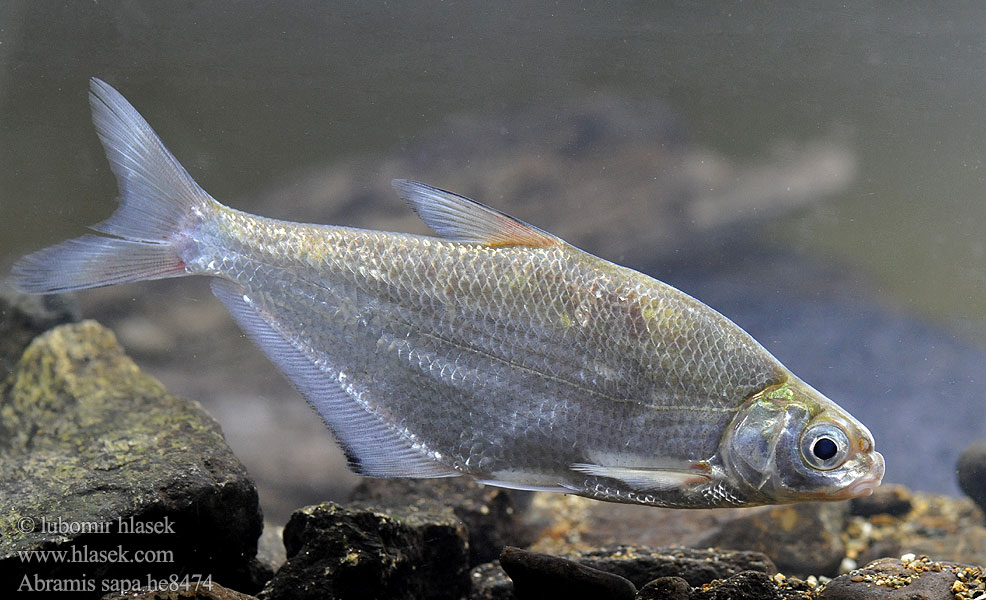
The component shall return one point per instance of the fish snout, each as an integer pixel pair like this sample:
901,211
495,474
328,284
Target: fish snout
865,485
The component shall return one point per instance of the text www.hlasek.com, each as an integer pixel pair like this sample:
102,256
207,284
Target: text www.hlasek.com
104,555
88,555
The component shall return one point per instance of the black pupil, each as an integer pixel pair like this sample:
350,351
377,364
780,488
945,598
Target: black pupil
824,448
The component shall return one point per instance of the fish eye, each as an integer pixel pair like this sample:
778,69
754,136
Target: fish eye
824,446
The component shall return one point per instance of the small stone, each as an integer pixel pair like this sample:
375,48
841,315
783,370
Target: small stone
894,500
665,588
971,470
537,576
358,551
489,581
847,565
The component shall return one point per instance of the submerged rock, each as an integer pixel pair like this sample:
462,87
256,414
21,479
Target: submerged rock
536,576
971,471
491,514
801,539
358,551
96,458
888,499
748,585
22,317
638,565
665,588
819,539
908,578
697,567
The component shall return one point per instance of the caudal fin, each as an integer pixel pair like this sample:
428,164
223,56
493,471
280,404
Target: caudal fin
158,201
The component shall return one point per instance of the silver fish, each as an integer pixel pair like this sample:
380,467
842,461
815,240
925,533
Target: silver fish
495,350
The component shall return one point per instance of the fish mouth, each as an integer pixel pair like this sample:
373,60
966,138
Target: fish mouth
865,485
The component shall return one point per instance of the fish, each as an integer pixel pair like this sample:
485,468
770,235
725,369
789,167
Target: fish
493,349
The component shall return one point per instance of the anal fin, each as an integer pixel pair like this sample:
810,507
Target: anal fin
372,447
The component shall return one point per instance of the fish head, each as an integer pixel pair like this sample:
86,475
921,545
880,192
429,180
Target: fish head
789,443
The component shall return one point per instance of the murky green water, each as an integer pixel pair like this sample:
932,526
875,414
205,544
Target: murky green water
250,93
254,97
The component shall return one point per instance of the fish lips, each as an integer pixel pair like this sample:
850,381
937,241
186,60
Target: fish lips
865,485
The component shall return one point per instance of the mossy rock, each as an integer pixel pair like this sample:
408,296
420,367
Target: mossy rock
91,447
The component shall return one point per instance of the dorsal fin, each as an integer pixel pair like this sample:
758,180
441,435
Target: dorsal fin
460,219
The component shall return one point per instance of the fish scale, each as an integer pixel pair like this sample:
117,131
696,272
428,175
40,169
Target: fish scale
496,350
549,362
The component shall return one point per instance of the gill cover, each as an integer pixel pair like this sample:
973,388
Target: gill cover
790,443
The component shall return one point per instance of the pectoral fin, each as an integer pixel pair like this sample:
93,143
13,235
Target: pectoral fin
650,478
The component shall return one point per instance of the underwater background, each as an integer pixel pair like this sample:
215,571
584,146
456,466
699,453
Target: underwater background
813,172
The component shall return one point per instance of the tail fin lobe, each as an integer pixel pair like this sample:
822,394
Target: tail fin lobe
94,261
156,193
159,204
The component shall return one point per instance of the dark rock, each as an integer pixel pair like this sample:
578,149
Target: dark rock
356,551
212,591
748,585
91,447
919,579
971,471
489,581
801,539
537,576
22,317
665,588
491,514
887,499
697,567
